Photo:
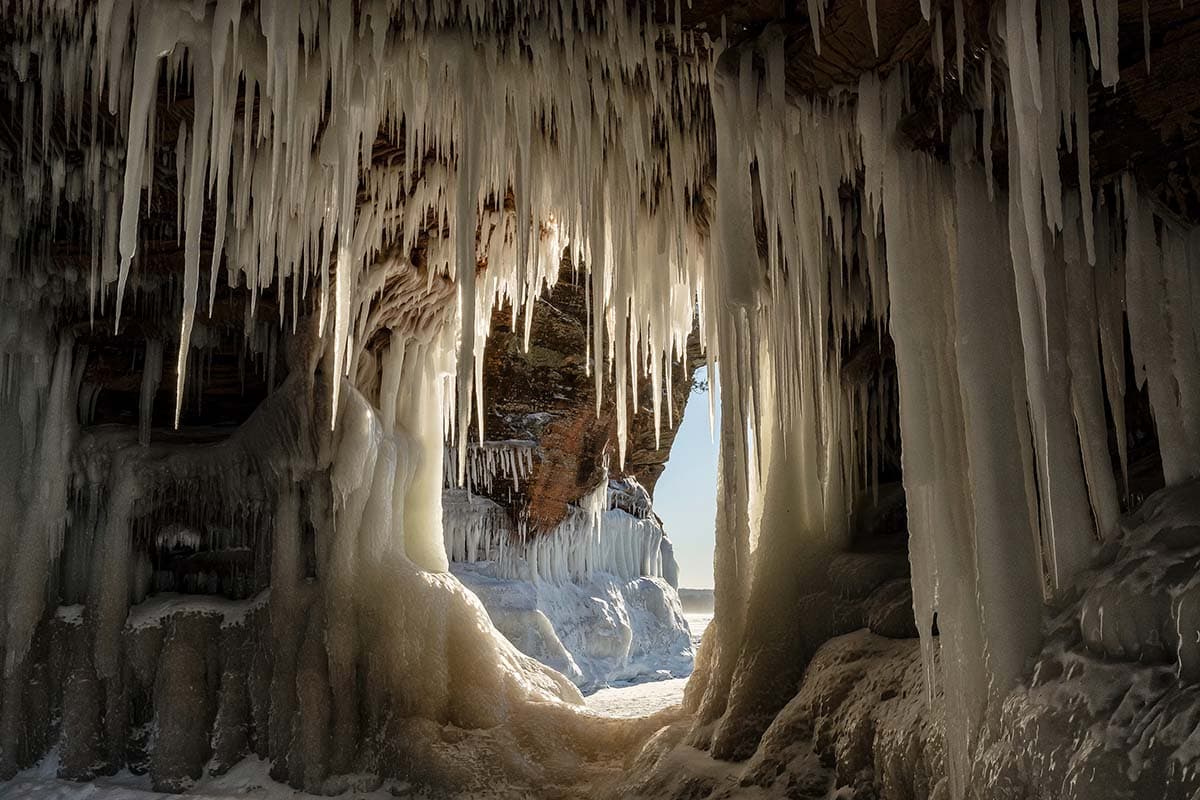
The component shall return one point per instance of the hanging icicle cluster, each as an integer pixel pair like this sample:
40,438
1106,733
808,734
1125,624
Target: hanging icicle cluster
592,120
1008,315
603,532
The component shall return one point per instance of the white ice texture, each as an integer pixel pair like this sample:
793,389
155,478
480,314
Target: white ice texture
589,598
601,132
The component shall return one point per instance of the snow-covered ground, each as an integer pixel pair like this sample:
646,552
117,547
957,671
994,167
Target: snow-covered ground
247,780
638,699
250,779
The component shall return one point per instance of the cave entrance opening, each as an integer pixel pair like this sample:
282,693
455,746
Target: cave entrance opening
684,499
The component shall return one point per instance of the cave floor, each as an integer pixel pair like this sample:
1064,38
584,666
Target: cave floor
638,699
643,698
247,780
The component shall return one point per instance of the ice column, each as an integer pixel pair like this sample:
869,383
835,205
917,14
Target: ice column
921,247
996,426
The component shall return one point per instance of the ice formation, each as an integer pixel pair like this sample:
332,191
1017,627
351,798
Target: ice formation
333,487
593,598
966,285
601,534
325,142
491,463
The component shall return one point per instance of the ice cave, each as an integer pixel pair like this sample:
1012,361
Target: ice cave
344,342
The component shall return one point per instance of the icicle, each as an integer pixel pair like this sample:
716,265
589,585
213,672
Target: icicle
151,376
194,210
1025,190
938,47
934,456
1106,30
1023,25
1089,24
466,220
157,35
989,123
991,382
873,21
1083,152
45,512
1146,33
1110,299
1066,526
1087,395
1162,334
816,19
960,44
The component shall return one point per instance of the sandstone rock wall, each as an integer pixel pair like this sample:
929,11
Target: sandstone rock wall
546,395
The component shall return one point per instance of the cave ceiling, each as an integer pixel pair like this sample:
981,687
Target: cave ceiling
1147,124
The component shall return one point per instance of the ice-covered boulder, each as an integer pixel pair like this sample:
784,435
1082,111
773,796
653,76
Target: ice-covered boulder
597,631
592,598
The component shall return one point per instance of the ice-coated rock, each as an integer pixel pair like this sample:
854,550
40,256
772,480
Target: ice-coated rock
597,631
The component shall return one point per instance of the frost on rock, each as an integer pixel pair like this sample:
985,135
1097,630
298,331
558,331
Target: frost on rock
1108,709
1110,706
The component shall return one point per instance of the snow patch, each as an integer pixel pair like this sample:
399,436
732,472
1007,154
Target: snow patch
155,610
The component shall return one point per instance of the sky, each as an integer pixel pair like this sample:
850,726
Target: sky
686,494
